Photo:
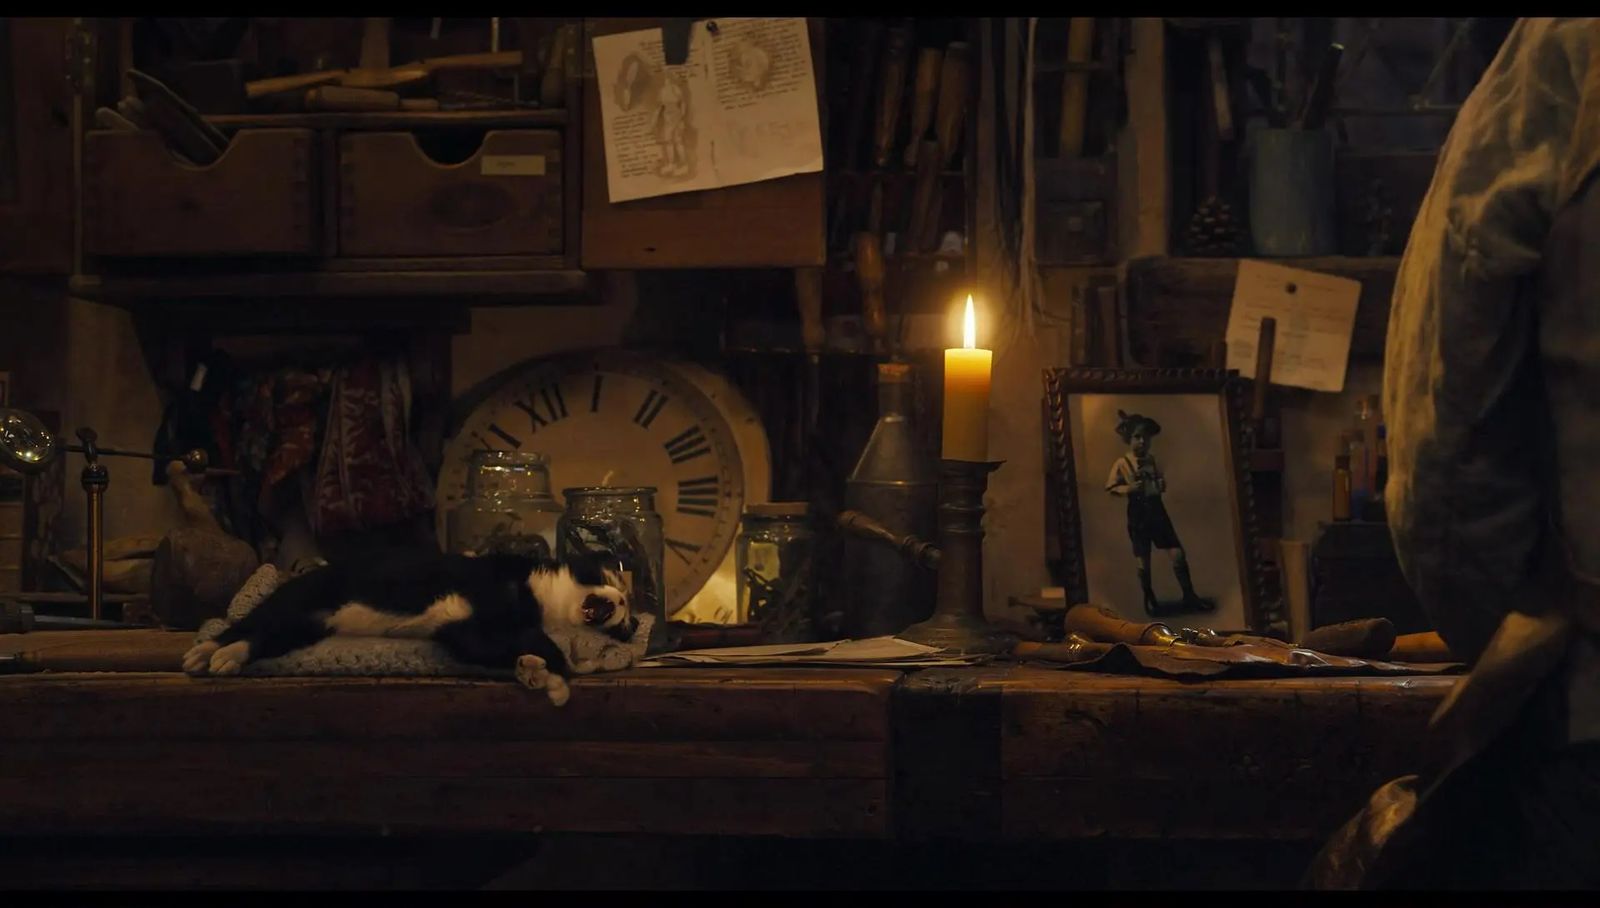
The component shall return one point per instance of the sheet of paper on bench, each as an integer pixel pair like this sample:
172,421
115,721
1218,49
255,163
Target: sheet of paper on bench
873,651
1316,314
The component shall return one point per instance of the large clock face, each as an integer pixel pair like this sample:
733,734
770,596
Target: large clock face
612,418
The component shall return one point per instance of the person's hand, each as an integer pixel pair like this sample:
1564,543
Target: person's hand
1161,484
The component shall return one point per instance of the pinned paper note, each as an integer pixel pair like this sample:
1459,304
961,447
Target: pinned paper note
741,108
1316,314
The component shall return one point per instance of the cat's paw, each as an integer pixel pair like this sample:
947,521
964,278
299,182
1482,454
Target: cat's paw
556,687
228,660
535,674
531,671
198,659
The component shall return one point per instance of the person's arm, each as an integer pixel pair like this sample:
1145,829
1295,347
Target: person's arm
1119,483
1465,440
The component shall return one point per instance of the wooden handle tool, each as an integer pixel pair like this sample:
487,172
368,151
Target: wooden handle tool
553,82
1364,638
1424,647
1075,649
951,114
1320,97
1106,626
392,77
924,219
183,129
813,336
924,88
338,97
1075,86
870,274
891,89
870,40
920,552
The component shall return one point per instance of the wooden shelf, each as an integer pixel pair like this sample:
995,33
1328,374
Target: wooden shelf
528,286
1180,305
383,119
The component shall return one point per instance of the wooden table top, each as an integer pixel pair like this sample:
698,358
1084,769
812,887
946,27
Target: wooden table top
1001,752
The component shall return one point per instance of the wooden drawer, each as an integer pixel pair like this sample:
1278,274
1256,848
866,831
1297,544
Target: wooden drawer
259,198
10,518
504,200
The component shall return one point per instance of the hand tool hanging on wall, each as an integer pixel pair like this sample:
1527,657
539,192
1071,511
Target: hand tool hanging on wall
925,86
813,336
553,81
1319,98
891,88
870,274
869,38
1075,87
954,79
921,232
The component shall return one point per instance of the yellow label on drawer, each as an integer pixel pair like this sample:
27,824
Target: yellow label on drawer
513,165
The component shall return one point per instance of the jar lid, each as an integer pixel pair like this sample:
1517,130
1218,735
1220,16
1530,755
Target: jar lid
778,509
513,458
894,372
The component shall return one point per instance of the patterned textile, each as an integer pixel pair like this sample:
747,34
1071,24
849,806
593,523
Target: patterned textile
342,433
369,474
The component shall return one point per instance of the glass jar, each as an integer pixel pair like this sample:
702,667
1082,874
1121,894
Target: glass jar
623,522
508,507
773,558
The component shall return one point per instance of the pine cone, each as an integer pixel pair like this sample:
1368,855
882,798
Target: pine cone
1213,230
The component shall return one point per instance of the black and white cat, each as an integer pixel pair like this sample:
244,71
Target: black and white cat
496,611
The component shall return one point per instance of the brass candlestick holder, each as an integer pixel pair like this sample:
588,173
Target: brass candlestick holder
958,625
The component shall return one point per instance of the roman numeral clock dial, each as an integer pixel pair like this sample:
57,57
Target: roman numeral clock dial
613,418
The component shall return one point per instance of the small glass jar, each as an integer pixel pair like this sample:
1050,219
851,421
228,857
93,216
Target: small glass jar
773,556
624,522
508,507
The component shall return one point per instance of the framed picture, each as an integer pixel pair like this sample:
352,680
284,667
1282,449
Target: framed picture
1151,496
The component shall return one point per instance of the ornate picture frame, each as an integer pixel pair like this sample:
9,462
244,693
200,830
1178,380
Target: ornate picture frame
1130,488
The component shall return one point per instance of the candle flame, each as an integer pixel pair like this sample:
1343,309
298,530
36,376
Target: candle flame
969,327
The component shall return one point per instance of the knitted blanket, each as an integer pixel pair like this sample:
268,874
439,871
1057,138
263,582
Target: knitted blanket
587,650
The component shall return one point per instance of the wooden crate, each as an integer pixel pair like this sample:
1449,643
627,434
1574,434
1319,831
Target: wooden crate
259,198
394,200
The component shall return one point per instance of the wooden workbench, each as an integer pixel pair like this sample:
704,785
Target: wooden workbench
999,754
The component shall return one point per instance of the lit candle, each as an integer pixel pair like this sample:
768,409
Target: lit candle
966,396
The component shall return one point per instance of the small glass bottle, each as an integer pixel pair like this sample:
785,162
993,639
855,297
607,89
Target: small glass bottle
1341,487
1360,480
1368,418
508,507
623,522
773,559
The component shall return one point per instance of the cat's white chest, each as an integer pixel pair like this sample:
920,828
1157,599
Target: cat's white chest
357,619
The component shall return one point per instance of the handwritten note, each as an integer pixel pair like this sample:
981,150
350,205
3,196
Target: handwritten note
1316,314
741,108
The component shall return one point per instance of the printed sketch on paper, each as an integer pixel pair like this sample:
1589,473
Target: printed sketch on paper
636,82
742,107
751,66
674,128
